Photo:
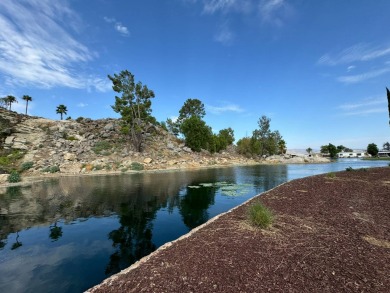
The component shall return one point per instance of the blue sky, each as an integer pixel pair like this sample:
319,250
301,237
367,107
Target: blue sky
318,69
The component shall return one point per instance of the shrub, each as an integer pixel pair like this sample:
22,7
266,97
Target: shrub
26,165
331,175
137,166
102,147
14,177
51,169
349,169
260,216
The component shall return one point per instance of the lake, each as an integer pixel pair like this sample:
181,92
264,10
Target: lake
70,233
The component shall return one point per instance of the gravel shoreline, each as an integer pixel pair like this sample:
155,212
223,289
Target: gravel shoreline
331,234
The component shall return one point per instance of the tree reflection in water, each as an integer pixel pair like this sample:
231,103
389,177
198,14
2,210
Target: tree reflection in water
194,205
55,232
133,239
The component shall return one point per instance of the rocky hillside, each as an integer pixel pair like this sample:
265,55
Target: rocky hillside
68,146
38,146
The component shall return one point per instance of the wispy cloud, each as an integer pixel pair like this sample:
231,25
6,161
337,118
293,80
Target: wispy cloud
82,105
364,107
224,35
37,47
358,52
274,11
119,27
223,109
349,79
224,6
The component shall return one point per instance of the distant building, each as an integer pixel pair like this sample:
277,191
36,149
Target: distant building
353,154
384,153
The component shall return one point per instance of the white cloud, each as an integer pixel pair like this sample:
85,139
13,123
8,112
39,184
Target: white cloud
122,29
119,27
350,68
223,109
348,79
82,105
37,47
364,107
358,52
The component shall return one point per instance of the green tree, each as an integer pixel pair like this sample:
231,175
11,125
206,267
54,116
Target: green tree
61,109
197,134
340,148
9,100
386,146
134,105
191,107
332,150
282,146
244,146
309,150
263,133
173,127
329,149
227,135
3,102
372,149
27,99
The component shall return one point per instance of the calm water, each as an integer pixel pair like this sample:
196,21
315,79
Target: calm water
68,234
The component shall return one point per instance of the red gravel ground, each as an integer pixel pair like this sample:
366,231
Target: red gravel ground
331,234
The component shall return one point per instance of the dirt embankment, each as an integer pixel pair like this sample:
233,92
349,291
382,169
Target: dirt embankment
331,234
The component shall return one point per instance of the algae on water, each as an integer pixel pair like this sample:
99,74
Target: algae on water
227,189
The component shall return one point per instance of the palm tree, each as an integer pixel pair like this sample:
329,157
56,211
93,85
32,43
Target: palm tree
9,100
61,109
27,99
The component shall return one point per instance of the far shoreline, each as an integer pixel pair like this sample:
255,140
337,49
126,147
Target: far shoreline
28,180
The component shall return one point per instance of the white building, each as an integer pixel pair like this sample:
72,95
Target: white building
353,154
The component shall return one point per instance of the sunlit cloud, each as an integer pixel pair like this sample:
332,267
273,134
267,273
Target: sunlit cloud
358,52
119,27
37,47
349,79
223,109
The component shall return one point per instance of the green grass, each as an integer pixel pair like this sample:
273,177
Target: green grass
331,175
260,216
377,159
9,159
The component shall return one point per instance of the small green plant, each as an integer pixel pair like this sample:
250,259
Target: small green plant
26,165
14,177
102,147
97,167
71,138
349,169
51,169
123,170
331,175
137,166
79,119
260,216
